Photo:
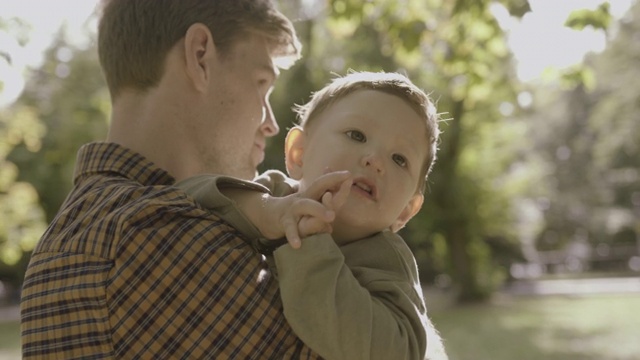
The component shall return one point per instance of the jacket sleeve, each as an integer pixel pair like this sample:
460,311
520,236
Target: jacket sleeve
277,182
358,301
206,191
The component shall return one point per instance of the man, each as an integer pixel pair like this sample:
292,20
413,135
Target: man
132,267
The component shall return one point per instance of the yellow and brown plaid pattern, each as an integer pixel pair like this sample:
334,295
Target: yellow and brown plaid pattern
132,268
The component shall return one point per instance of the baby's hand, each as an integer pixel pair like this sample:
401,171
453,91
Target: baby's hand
309,225
313,210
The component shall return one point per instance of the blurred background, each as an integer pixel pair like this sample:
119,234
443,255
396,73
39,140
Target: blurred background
529,240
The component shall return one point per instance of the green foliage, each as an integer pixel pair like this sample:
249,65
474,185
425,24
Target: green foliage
578,75
598,19
463,57
70,99
22,220
586,130
64,105
457,51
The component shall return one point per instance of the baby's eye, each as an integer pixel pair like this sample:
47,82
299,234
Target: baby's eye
356,135
400,160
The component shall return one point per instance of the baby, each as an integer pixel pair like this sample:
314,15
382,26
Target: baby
358,164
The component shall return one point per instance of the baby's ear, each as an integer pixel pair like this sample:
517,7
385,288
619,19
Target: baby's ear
293,151
409,211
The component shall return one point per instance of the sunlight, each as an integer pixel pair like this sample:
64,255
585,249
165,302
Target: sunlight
44,19
540,40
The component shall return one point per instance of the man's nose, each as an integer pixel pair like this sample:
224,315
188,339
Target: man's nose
269,124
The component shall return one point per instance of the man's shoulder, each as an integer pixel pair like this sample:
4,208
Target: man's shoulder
121,196
103,214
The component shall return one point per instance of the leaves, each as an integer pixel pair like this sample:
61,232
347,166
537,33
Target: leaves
598,19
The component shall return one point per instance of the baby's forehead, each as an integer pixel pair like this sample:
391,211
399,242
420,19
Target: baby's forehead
339,105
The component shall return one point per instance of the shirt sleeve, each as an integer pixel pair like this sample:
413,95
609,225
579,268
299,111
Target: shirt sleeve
359,301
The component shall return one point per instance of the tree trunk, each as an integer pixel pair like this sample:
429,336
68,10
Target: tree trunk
457,229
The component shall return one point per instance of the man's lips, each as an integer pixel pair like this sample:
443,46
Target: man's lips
260,153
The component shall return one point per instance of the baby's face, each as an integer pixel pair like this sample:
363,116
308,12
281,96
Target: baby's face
382,141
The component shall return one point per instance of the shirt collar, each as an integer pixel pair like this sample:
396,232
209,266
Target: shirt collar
101,157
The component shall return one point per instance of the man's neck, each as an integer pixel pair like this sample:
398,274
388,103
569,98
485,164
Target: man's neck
145,124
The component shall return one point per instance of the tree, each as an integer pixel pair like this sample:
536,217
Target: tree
22,220
457,50
587,133
70,99
64,104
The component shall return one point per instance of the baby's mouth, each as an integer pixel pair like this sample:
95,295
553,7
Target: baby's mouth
366,187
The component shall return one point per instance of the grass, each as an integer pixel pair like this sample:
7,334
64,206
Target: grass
603,327
9,340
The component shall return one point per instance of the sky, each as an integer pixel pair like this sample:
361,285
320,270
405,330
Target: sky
539,40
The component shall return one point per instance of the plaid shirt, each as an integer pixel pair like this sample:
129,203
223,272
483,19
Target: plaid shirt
133,268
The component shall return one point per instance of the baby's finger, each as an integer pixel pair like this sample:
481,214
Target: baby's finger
327,200
340,197
326,182
309,226
291,232
312,208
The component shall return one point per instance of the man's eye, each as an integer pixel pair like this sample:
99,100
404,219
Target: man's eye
356,135
400,160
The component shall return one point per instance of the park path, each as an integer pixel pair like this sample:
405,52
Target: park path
442,299
9,313
618,285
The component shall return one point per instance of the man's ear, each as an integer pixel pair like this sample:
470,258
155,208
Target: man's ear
199,49
293,151
409,211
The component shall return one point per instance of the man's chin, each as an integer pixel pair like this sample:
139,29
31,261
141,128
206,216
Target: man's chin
258,158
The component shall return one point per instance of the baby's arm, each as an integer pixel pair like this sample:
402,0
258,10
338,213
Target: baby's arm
296,215
357,301
250,207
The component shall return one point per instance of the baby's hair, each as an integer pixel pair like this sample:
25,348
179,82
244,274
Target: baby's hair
390,83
